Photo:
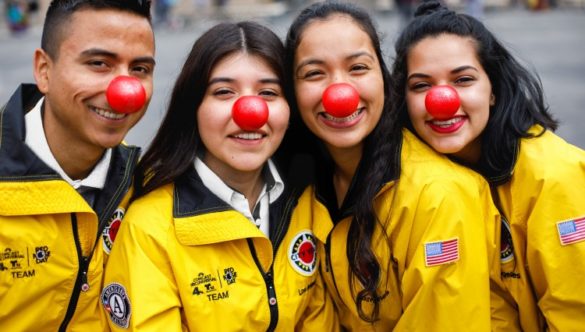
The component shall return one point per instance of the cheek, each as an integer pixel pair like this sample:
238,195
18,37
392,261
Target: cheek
415,106
477,105
371,90
308,96
279,116
148,86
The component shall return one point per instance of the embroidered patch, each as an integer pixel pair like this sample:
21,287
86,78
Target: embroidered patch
571,231
441,252
111,230
302,253
117,305
506,244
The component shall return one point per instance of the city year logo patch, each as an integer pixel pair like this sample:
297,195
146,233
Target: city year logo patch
111,230
116,303
302,253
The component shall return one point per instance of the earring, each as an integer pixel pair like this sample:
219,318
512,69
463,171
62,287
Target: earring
492,100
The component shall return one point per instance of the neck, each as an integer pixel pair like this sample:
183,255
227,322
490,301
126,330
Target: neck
76,158
248,183
470,154
346,163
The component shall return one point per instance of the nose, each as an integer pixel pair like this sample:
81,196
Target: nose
125,94
250,112
442,102
340,100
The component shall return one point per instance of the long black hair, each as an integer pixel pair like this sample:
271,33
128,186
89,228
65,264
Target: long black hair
519,97
177,142
376,161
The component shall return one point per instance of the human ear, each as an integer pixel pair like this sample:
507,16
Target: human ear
492,99
41,67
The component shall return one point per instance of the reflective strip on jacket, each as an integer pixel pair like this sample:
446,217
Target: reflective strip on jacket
543,264
432,202
184,259
50,236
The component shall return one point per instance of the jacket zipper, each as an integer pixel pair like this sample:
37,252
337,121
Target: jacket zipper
269,282
328,267
81,283
271,300
268,276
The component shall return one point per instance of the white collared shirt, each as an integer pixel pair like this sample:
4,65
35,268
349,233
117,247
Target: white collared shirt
272,189
37,142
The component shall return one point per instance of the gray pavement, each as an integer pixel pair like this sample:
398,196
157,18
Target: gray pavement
551,42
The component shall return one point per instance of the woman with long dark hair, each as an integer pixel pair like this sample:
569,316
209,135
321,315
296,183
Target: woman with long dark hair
410,231
503,130
213,241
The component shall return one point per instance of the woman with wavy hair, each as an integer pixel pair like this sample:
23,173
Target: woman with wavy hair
410,231
503,130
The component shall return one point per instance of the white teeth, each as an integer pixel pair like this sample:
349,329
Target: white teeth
109,115
249,136
447,123
340,120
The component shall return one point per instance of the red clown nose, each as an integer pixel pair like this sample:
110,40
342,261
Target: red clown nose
442,102
340,100
126,94
250,112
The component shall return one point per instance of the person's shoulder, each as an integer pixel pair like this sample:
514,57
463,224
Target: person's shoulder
157,204
547,156
421,164
546,144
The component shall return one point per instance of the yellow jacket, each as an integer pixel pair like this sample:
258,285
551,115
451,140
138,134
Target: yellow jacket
184,259
431,201
543,198
52,244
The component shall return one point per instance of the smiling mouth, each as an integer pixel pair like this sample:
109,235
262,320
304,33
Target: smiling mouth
446,123
249,136
108,114
348,118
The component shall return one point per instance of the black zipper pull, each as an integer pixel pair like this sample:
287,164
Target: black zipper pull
84,282
271,293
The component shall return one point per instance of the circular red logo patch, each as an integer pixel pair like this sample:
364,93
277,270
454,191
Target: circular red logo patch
302,253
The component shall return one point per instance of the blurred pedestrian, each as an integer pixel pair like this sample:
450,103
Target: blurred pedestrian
16,12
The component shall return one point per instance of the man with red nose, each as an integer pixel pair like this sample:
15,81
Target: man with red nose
64,174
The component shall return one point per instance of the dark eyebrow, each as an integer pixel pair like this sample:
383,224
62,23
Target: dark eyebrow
359,54
454,71
313,61
462,68
270,81
98,51
145,59
101,52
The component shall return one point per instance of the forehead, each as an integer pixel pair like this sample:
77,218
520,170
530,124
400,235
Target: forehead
334,33
242,64
444,50
108,29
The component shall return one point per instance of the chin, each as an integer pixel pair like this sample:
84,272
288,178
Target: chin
110,142
446,148
247,165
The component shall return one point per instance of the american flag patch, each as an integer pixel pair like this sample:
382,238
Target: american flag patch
571,231
441,252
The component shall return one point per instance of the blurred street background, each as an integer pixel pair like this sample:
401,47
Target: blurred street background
547,35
